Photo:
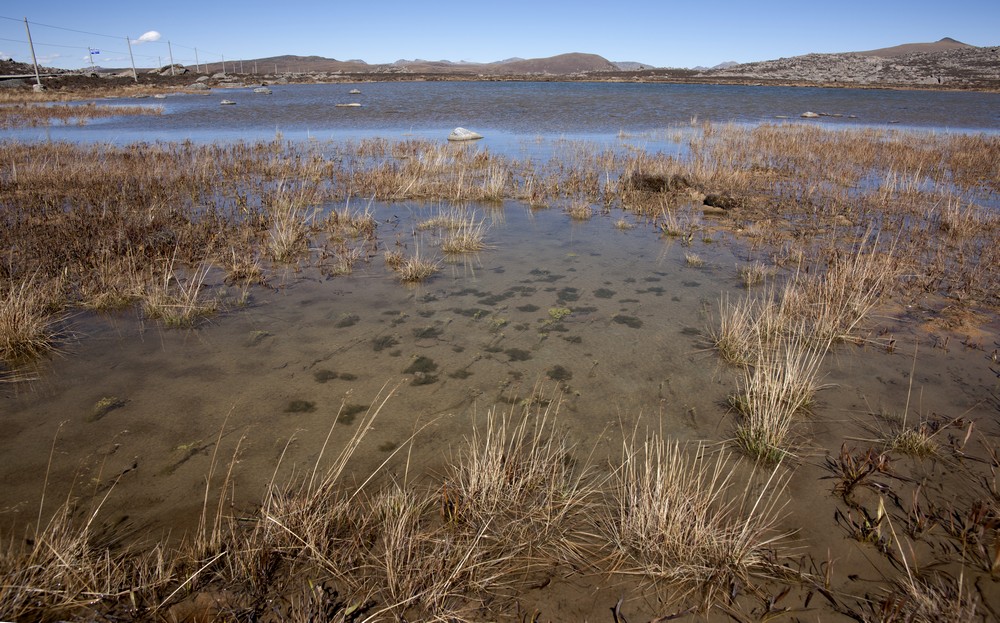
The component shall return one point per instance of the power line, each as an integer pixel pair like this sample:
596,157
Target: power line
95,34
82,32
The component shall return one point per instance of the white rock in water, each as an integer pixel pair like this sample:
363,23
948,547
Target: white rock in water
461,134
810,115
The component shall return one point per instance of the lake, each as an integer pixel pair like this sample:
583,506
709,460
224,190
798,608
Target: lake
512,114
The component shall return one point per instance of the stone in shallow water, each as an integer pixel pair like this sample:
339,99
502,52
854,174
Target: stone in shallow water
461,134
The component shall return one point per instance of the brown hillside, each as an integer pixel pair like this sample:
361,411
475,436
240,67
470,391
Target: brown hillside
302,64
917,48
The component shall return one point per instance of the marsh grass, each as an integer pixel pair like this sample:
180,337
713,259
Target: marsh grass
28,324
745,325
64,569
466,236
693,259
291,213
680,517
413,269
834,303
580,211
780,382
36,115
177,300
753,274
518,479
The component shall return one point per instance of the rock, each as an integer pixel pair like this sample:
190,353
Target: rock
354,92
461,134
38,88
227,103
809,115
199,86
262,91
351,105
710,211
202,79
219,76
724,202
14,82
657,183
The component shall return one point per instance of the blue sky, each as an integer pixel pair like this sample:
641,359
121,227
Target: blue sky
661,33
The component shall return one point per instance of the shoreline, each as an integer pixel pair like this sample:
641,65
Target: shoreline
84,82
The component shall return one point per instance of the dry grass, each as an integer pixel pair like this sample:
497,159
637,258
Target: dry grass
833,304
693,259
466,235
35,115
28,324
779,383
291,217
580,211
177,300
753,274
678,517
415,269
63,570
517,479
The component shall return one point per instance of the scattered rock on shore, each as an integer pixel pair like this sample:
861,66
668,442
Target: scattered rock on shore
658,183
724,202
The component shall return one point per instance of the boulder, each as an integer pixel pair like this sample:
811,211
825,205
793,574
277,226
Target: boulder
199,86
461,134
809,115
202,79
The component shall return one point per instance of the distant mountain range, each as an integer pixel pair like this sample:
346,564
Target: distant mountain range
563,64
947,62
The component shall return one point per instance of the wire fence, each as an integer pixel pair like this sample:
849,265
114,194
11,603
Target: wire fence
69,48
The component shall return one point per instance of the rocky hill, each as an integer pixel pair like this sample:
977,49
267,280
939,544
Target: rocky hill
946,62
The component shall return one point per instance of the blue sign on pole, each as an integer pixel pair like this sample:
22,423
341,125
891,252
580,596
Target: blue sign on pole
95,51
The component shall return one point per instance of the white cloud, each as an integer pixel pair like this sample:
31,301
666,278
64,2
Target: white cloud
148,37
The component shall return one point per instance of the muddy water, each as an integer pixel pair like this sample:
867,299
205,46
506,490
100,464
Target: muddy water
485,331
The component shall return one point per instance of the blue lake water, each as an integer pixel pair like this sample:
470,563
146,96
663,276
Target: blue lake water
511,114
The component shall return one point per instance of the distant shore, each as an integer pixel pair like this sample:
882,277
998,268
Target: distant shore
86,84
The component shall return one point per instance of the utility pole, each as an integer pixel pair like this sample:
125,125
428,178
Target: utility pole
241,65
34,60
255,67
135,76
223,64
197,66
171,52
